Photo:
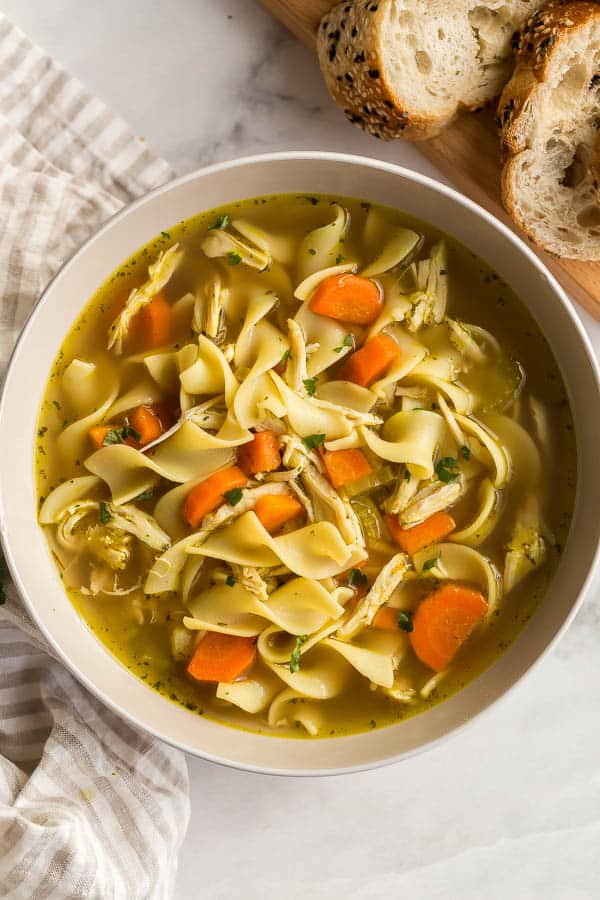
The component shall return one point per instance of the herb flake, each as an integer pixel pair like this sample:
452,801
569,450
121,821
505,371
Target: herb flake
356,578
233,258
465,452
347,342
230,581
233,496
220,222
311,386
146,495
444,469
120,435
429,563
313,441
295,656
405,620
104,513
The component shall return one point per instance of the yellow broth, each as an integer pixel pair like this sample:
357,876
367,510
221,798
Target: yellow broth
139,634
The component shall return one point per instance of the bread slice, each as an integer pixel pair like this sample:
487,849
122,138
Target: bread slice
403,68
549,116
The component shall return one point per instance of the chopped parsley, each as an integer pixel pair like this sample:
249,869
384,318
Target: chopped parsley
311,386
312,251
287,355
406,475
234,259
220,222
444,469
233,496
430,563
295,657
104,513
339,259
120,435
405,621
230,581
356,577
313,441
465,452
347,342
146,495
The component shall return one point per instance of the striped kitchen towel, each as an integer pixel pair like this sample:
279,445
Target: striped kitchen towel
89,807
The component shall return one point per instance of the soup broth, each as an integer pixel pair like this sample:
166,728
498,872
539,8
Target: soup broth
306,465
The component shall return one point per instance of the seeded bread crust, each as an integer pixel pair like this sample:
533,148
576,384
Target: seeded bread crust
523,120
348,44
390,97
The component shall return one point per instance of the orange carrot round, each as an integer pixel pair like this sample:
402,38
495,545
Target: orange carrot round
274,510
222,657
433,529
153,325
348,298
443,621
147,423
344,466
210,493
371,361
261,454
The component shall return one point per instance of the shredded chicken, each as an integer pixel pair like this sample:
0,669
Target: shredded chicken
526,549
382,589
219,242
250,579
433,498
404,491
159,274
324,497
208,315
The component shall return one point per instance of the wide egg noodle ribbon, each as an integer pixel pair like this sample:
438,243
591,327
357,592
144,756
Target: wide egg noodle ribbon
307,417
128,472
73,442
410,437
299,606
315,551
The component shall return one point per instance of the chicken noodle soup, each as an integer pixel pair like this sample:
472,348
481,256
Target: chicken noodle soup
306,465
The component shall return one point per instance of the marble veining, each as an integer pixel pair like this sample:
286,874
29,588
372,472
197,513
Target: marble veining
510,808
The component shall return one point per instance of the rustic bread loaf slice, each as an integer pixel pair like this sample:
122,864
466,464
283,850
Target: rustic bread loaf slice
403,68
549,115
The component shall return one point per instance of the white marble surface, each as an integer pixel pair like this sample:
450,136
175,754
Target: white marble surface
509,809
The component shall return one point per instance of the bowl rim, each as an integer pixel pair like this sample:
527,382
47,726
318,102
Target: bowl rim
392,169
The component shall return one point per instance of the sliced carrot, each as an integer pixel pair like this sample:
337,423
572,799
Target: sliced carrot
433,529
344,466
147,423
222,657
210,493
443,621
386,618
371,361
348,298
153,325
261,454
97,435
274,510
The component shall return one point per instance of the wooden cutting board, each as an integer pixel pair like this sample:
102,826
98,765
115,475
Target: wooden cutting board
467,153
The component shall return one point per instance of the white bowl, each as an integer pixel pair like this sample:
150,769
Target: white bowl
25,548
